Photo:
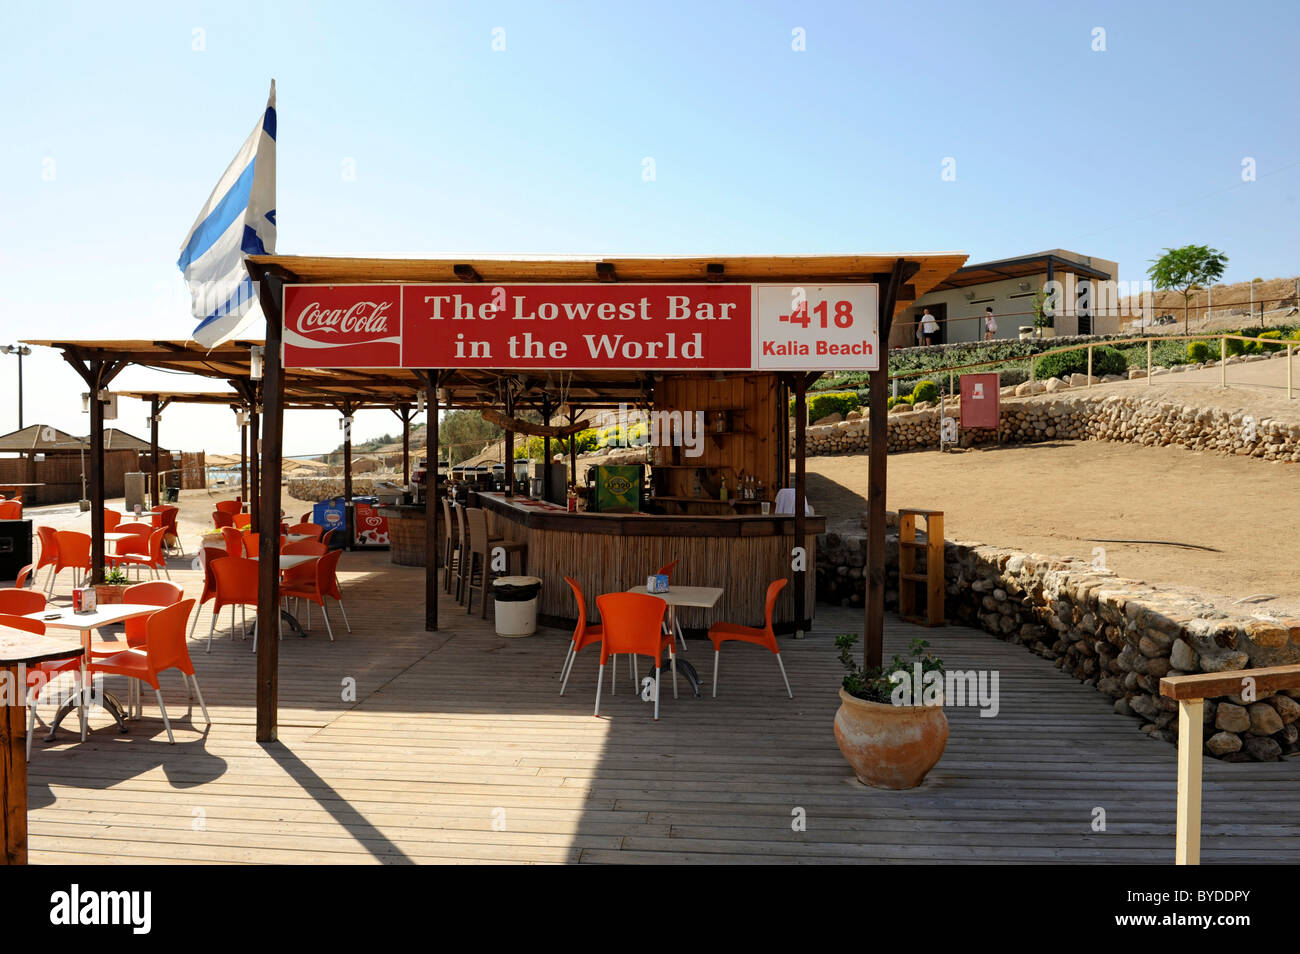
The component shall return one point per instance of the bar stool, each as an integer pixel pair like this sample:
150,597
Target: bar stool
480,553
450,544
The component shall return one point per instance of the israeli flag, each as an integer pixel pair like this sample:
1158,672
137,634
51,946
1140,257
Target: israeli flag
237,220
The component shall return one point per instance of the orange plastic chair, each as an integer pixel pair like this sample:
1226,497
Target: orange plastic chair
234,541
720,633
209,556
152,593
231,507
111,519
17,602
49,553
152,557
23,575
328,536
164,649
140,527
584,634
242,520
11,510
74,553
166,518
633,623
667,569
251,543
236,584
314,582
307,547
221,519
314,530
306,518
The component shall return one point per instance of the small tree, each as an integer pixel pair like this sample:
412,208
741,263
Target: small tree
1186,269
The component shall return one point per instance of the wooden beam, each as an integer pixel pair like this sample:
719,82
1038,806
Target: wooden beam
349,523
605,272
713,271
432,543
271,296
466,273
255,474
877,465
154,488
800,499
1209,685
1187,837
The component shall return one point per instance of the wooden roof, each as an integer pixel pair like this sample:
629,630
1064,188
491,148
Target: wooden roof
317,387
310,269
1025,267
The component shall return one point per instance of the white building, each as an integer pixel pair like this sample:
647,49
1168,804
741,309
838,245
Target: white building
1009,285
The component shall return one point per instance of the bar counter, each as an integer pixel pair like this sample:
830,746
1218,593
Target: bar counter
608,553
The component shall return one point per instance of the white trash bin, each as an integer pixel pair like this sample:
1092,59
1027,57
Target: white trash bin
514,604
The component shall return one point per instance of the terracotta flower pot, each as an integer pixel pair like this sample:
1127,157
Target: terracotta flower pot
890,746
109,592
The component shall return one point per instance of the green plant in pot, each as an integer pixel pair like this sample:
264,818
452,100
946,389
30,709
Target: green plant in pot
889,739
113,587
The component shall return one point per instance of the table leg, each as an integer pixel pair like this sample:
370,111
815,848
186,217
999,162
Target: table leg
13,774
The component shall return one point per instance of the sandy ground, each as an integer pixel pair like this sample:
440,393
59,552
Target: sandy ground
1229,526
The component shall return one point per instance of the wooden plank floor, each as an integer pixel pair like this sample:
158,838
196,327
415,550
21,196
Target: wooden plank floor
458,748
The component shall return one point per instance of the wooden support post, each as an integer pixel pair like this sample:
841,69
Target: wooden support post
546,450
13,772
432,543
573,448
349,518
243,460
510,445
1089,366
406,443
1148,361
155,491
271,295
1289,371
877,464
1187,846
1223,360
98,375
255,471
800,508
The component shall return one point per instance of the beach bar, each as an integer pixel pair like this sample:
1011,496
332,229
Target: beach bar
729,343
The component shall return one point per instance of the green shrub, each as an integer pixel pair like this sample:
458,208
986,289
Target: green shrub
925,391
1236,347
824,403
1198,351
1295,335
1273,335
895,401
1105,360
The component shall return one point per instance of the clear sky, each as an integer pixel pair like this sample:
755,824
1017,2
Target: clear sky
119,118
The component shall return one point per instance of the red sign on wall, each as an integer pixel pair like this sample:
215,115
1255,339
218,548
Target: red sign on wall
979,400
724,326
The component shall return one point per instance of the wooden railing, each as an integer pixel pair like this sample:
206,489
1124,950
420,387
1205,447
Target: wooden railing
1191,693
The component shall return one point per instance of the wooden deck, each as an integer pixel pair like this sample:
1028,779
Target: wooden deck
459,749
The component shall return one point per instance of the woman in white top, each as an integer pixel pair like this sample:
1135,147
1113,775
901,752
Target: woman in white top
929,326
990,324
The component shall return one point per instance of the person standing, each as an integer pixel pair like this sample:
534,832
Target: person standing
990,324
929,327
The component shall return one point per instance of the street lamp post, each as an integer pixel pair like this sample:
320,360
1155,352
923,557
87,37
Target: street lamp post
19,350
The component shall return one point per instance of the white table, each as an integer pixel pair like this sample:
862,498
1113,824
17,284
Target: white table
701,597
295,537
289,560
85,624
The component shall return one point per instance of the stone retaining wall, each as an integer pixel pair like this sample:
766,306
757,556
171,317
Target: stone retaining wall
1079,416
1116,635
322,488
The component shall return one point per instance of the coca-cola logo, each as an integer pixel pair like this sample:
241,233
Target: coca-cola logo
359,320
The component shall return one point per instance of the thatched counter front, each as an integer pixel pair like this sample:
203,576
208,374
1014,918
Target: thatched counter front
609,553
